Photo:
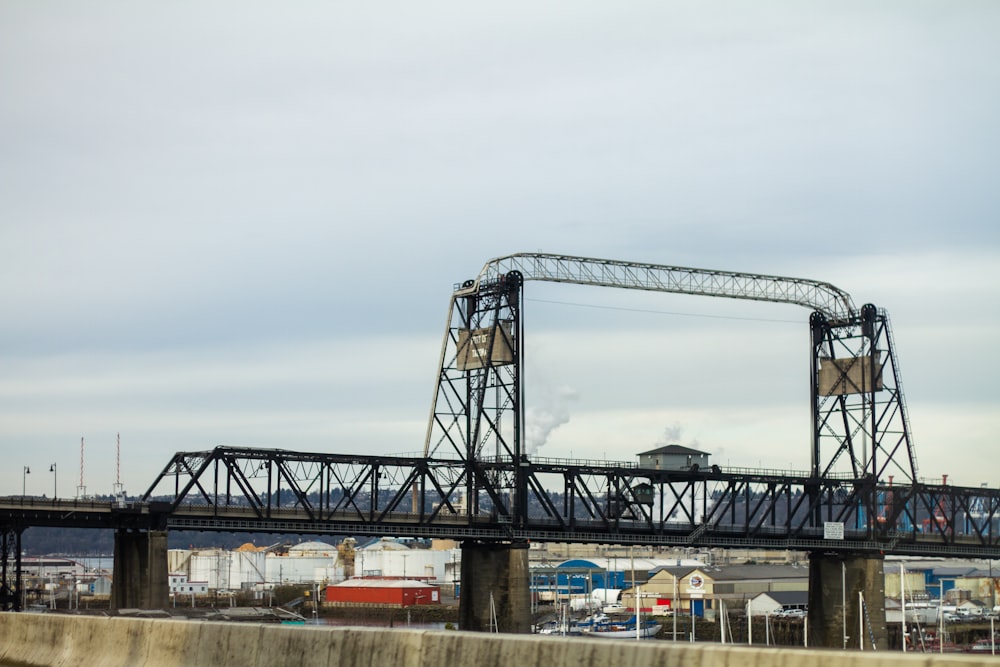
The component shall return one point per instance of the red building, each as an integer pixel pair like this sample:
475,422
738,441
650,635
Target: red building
394,592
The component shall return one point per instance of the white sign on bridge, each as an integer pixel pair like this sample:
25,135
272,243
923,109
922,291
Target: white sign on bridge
833,530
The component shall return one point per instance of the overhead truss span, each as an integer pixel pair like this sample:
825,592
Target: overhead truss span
860,424
833,302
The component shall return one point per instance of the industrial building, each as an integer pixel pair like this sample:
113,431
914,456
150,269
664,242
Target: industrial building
393,592
250,567
47,567
777,601
698,590
576,578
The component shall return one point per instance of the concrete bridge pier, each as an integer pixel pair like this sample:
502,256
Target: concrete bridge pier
11,582
836,617
140,578
495,593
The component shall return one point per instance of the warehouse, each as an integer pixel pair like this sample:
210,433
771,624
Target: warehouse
390,592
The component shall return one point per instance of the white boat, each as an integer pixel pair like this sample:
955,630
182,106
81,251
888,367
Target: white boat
556,628
983,646
625,630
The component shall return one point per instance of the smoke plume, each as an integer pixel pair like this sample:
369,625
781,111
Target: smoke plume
549,410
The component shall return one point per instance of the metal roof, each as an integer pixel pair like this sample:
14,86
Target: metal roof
382,583
673,449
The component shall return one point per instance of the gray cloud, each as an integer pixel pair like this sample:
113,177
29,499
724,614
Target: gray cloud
188,188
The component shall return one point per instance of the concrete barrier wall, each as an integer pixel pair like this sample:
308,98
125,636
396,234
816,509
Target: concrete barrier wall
51,640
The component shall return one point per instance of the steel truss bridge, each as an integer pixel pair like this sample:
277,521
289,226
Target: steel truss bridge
238,489
475,479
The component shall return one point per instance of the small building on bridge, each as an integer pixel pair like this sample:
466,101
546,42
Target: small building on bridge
673,457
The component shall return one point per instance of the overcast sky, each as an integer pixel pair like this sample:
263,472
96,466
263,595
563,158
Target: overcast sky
240,222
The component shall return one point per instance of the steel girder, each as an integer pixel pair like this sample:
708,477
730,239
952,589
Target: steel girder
274,490
268,483
812,294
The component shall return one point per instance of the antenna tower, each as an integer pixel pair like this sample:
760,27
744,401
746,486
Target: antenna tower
81,491
118,490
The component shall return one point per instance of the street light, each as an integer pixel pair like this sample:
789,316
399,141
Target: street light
55,481
24,481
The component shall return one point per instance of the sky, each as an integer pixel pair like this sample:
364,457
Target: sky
231,223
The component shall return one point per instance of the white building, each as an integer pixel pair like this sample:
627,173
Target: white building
673,457
181,585
388,558
307,562
252,568
50,567
227,570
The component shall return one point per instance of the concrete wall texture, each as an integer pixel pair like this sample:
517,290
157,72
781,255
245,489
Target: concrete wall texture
140,578
52,640
836,579
495,579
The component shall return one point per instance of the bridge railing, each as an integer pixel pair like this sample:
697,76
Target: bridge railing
69,503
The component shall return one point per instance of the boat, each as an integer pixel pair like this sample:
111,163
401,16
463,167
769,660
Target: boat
562,625
557,628
983,646
620,630
947,647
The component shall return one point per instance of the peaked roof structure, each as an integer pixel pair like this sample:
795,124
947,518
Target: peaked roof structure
672,449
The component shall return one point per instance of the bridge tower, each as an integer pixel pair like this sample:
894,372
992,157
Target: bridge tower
860,423
860,428
478,414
